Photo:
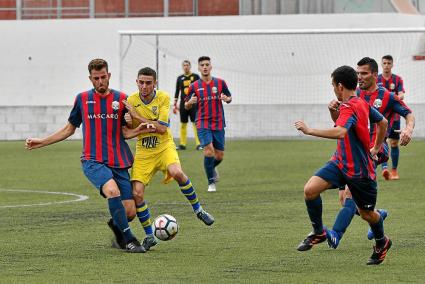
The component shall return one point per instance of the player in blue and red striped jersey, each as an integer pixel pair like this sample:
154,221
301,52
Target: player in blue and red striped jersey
388,104
393,83
208,93
106,156
351,163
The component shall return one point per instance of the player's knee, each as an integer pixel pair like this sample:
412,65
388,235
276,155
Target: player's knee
138,194
111,192
309,192
393,143
219,155
368,216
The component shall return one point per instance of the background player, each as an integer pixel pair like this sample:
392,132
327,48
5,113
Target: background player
156,151
392,83
106,156
208,93
388,104
182,89
351,164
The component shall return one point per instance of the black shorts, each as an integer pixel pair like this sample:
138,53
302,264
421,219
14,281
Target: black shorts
364,192
185,114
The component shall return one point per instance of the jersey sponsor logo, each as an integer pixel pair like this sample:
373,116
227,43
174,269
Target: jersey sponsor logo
392,86
377,103
209,98
90,102
115,105
150,142
103,116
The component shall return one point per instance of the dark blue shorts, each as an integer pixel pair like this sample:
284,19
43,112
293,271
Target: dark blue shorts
216,137
363,190
99,174
396,126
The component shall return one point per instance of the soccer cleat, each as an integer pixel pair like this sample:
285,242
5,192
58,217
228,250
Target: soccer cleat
205,217
181,147
134,247
149,242
333,238
211,187
118,242
379,254
386,174
311,240
199,147
384,214
394,175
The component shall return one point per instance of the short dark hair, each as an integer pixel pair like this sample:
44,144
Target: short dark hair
345,75
147,71
373,66
387,57
202,58
97,64
186,61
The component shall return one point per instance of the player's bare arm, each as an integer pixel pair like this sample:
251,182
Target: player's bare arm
400,95
407,132
337,132
193,100
61,134
129,133
381,131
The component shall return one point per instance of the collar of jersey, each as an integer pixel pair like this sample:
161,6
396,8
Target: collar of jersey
146,103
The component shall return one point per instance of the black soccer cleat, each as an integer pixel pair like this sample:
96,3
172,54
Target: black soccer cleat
205,217
149,242
119,241
311,240
134,247
379,254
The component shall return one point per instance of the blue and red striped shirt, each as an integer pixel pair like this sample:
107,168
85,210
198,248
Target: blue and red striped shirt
393,84
102,118
387,103
352,155
210,114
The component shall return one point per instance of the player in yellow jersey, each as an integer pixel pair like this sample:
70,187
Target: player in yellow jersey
155,151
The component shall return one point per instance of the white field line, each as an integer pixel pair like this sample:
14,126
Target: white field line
79,197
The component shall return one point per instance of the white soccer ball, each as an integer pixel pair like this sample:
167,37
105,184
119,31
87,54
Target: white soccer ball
166,227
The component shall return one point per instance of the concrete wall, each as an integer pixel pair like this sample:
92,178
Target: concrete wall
44,64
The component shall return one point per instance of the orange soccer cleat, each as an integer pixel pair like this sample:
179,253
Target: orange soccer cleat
386,174
394,174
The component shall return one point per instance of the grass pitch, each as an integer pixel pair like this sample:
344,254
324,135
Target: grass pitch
260,219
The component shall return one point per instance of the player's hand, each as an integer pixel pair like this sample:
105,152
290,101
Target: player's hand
225,98
145,128
334,105
131,110
405,136
193,100
33,143
301,126
374,153
128,119
175,108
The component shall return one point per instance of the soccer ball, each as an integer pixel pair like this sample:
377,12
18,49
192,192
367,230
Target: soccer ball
166,227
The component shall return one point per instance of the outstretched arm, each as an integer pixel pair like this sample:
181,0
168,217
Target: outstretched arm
61,134
337,132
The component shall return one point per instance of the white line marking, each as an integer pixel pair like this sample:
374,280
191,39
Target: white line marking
80,197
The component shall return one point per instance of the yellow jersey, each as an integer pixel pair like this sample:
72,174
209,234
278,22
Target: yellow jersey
158,109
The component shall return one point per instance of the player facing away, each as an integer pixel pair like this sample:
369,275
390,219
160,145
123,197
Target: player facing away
392,83
156,151
182,90
106,156
207,94
388,104
351,163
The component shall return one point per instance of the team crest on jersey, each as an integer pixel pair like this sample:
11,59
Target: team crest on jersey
155,110
392,86
377,103
115,105
214,90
